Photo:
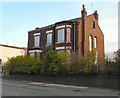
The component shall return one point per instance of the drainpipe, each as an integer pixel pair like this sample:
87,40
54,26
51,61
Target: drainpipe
74,37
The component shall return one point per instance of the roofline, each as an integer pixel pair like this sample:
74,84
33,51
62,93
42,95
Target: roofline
13,46
49,25
70,21
37,28
89,15
64,22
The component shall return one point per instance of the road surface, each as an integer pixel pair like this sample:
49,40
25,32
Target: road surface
27,88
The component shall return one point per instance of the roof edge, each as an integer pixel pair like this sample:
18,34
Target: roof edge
13,46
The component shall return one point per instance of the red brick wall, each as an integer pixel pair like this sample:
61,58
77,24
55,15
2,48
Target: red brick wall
30,40
80,37
89,30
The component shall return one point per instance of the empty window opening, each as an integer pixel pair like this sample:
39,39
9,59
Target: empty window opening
93,23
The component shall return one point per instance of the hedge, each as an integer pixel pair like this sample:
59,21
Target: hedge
62,64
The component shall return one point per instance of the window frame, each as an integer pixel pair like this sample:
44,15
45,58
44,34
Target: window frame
95,42
32,54
39,41
90,43
62,37
47,39
69,34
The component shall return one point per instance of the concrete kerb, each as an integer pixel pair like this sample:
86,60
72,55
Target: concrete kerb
71,87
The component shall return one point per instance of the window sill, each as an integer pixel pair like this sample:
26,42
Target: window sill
59,42
36,47
48,45
68,42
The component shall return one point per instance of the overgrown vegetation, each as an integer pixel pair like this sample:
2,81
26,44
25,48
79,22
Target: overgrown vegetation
112,67
50,64
23,65
63,64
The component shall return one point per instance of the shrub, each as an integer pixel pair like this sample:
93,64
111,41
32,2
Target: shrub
87,63
23,65
68,63
61,63
112,67
50,64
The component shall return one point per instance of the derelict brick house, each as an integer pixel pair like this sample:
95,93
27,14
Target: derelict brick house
79,35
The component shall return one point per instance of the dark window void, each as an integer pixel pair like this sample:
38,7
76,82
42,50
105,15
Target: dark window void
93,23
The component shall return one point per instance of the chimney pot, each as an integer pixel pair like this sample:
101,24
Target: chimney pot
83,7
84,12
96,15
96,11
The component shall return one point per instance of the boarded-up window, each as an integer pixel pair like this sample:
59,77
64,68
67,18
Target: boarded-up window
90,43
95,42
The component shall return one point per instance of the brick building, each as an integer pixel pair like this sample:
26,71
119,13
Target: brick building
79,35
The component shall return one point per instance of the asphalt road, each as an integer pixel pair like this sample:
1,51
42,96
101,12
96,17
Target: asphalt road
27,88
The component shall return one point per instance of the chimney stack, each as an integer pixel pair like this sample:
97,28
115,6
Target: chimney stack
83,12
84,15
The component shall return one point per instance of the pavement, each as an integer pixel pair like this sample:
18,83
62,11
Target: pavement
76,88
28,88
58,86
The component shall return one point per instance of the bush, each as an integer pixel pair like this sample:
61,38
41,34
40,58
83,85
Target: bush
50,64
111,68
65,65
88,65
61,63
23,65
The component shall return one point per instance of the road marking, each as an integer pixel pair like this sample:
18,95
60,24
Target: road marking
37,83
58,85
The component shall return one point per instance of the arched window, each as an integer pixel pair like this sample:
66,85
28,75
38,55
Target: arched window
90,43
95,42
